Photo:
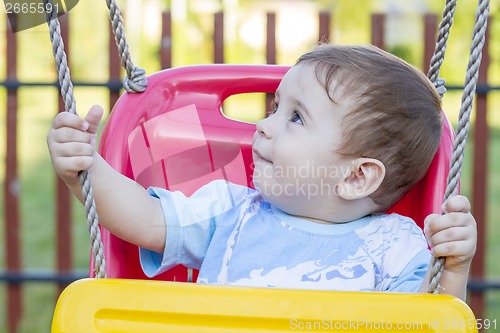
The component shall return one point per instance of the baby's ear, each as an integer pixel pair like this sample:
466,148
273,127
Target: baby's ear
364,178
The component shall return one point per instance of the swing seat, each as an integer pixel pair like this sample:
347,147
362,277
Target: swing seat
175,136
126,306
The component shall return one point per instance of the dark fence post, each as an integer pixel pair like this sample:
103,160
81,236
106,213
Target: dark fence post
378,30
324,27
270,52
11,189
430,32
480,172
271,39
219,38
166,40
63,217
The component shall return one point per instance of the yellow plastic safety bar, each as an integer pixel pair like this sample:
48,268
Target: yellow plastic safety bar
125,306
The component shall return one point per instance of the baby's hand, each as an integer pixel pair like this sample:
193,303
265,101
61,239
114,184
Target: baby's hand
453,235
72,141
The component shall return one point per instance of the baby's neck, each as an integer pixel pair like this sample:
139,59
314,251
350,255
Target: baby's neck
320,221
341,211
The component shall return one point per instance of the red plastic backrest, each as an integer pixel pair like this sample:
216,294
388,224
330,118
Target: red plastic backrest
174,135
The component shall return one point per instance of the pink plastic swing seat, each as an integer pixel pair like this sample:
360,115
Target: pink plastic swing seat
175,136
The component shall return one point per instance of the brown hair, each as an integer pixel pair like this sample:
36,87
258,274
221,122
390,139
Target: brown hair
396,115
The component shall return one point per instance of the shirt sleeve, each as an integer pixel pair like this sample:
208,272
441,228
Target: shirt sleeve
411,277
407,257
190,224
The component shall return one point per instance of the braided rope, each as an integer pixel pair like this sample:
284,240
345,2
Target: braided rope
463,122
70,106
440,49
135,81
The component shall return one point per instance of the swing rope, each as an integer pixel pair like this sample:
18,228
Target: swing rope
461,132
70,106
440,49
136,81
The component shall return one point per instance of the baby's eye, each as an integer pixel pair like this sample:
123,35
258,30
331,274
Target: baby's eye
296,118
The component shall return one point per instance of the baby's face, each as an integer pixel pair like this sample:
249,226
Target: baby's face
294,150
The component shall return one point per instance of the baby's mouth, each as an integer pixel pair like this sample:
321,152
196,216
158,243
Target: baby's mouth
260,157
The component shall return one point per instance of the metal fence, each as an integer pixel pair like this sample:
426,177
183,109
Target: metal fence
15,276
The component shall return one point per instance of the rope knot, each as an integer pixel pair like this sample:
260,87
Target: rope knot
137,81
440,86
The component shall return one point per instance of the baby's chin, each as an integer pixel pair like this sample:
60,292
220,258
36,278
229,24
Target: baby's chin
297,206
261,189
283,203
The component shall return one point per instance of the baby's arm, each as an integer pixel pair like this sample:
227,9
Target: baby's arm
123,206
452,235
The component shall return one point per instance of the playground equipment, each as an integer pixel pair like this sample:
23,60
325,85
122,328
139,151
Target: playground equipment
184,105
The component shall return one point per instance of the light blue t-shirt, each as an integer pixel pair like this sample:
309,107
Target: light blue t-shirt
234,237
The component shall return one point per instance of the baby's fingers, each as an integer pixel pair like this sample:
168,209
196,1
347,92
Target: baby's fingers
68,134
435,223
69,167
461,251
68,149
66,119
93,118
458,204
449,235
430,222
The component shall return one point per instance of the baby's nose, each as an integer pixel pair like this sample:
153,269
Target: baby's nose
264,128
